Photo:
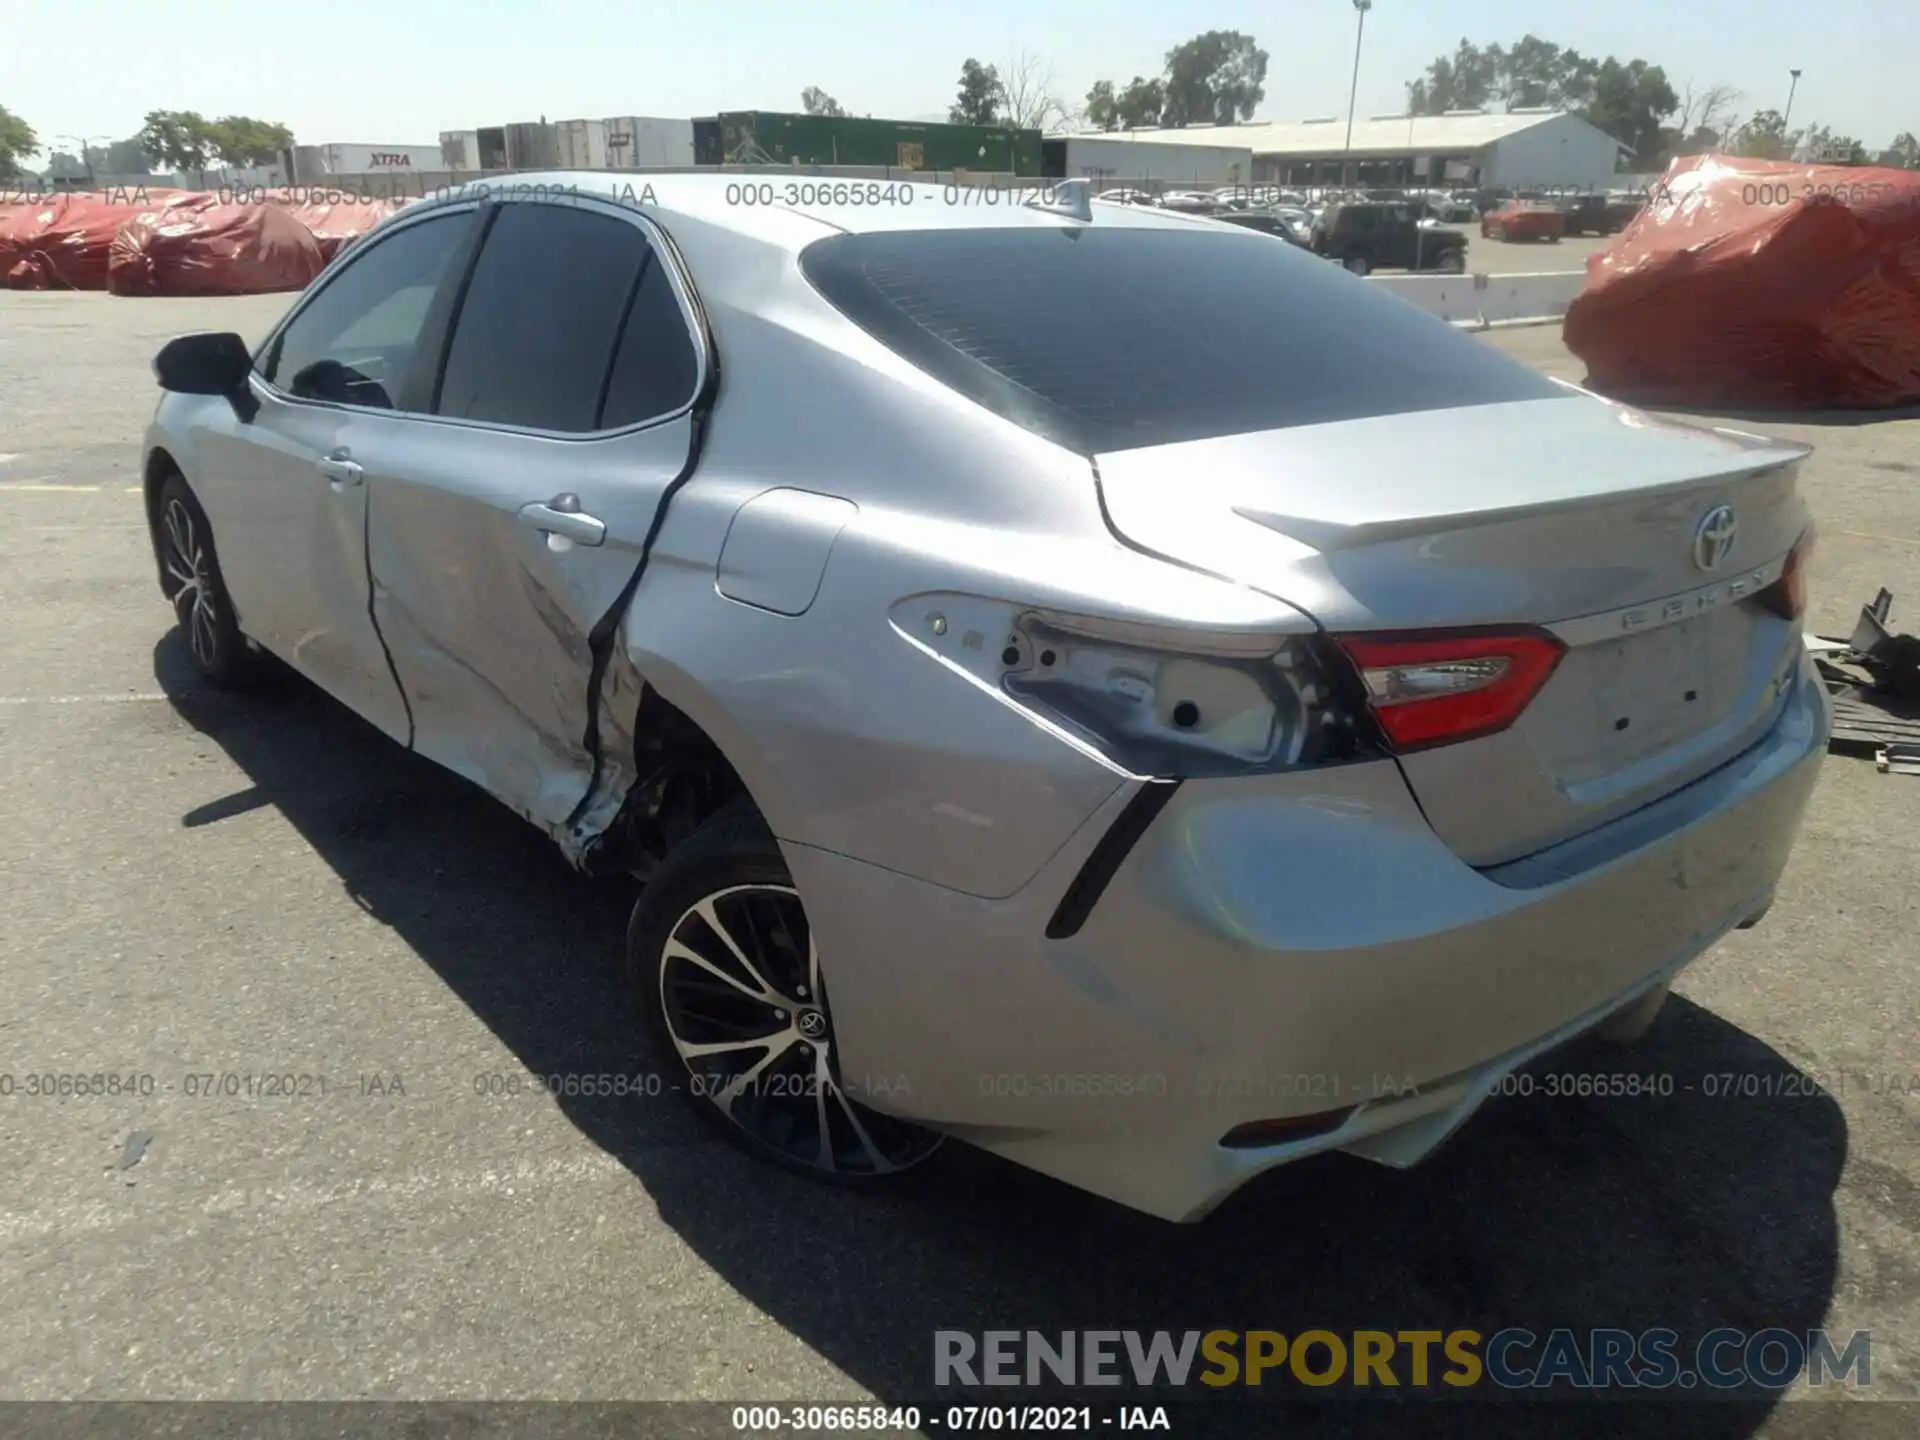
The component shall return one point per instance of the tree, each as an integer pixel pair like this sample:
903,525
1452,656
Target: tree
1629,102
240,141
1141,104
62,166
17,141
1029,95
1103,111
1710,109
1533,73
176,140
124,157
1903,154
1463,81
1821,146
1764,137
978,102
1214,79
816,101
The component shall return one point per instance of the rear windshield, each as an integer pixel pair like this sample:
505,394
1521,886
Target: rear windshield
1117,339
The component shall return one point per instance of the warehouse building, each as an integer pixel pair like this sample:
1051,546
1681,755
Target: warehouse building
1468,149
1133,158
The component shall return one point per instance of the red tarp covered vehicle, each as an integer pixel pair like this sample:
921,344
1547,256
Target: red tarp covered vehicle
334,222
62,242
213,250
1757,284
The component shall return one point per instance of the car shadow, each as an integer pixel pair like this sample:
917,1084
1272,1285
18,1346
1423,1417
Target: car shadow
1680,1210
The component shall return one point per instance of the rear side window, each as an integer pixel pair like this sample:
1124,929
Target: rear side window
535,335
1131,337
656,368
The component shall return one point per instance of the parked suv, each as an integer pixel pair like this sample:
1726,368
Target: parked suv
1364,236
1588,215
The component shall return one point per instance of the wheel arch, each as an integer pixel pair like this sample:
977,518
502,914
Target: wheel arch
687,758
160,466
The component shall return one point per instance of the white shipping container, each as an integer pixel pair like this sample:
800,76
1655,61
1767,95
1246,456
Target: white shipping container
1117,158
638,142
378,159
580,144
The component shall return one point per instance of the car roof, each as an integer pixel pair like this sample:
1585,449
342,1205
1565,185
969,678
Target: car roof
884,205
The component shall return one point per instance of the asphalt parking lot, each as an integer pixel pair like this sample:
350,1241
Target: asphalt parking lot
197,883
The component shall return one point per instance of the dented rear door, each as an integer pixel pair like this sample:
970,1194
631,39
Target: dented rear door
504,531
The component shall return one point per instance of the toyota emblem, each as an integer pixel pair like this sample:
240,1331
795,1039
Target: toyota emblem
1714,536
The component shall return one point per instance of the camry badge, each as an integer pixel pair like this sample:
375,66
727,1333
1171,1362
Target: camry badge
1714,536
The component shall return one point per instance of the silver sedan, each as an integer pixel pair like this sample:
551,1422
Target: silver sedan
1079,679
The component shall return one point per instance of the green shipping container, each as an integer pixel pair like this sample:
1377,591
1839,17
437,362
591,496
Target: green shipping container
760,137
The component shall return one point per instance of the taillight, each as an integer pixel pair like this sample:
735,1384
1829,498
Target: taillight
1787,596
1438,689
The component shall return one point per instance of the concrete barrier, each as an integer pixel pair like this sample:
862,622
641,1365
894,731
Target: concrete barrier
1482,300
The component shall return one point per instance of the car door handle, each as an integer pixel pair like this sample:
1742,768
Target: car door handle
563,517
340,470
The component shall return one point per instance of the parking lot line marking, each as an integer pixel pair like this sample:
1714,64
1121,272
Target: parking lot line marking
32,485
138,697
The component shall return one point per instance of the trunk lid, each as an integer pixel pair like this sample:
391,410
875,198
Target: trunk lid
1568,513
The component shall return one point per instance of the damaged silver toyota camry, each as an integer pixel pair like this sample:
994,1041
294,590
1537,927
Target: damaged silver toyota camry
1102,685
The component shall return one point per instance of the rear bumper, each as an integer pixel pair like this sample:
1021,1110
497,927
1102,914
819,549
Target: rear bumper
1283,947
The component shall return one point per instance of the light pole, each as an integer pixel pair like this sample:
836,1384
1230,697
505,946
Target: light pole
1786,120
1359,34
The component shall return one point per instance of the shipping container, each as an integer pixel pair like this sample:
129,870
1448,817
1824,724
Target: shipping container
530,146
642,142
706,142
460,149
353,159
759,138
1119,157
491,141
580,145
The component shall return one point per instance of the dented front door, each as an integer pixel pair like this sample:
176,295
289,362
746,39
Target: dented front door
511,522
493,555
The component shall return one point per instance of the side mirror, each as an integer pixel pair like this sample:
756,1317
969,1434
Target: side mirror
205,363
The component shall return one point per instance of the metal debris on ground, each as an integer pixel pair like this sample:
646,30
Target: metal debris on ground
1901,759
1874,678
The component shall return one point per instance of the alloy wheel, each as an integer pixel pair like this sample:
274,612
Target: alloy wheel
746,1010
191,573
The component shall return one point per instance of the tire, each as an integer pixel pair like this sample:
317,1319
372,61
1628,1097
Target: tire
695,989
194,586
1623,1027
1453,262
1356,265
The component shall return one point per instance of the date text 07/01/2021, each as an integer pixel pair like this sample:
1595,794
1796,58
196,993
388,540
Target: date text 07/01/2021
839,1419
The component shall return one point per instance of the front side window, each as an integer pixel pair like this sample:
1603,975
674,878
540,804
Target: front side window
355,341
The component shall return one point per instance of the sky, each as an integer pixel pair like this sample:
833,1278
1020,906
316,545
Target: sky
394,72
